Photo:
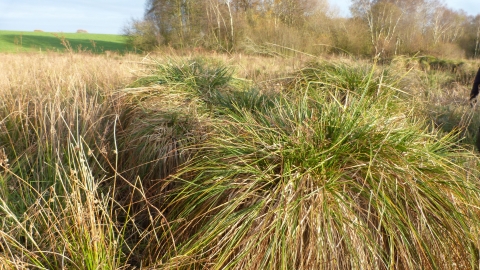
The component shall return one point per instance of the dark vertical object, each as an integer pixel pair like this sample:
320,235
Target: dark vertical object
477,142
476,83
473,95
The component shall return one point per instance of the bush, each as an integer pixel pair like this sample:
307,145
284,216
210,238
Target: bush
142,35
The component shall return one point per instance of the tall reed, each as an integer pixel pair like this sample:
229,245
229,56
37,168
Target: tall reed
55,111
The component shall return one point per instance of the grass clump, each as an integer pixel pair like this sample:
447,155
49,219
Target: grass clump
344,78
313,184
197,75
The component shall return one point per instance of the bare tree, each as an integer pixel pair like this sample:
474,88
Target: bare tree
476,24
447,25
382,18
245,5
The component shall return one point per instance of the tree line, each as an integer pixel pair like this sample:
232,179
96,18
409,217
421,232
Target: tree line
380,28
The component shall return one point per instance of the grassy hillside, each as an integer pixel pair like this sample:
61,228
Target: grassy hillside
235,162
20,41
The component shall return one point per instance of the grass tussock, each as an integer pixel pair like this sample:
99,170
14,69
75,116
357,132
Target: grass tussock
197,74
313,184
222,162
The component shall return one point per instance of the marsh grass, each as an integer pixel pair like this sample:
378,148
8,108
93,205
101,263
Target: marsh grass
68,224
343,77
219,162
312,184
440,88
55,112
198,74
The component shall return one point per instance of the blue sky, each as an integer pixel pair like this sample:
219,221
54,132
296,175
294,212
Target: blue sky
471,7
110,16
98,16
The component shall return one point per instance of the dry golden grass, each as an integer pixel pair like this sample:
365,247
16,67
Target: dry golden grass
48,72
55,110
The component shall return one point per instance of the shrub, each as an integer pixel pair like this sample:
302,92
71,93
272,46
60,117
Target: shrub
142,35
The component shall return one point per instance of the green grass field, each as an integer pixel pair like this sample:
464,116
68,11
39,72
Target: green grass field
20,41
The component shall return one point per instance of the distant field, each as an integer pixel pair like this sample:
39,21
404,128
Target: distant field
21,41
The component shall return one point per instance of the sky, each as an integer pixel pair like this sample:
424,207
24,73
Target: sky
471,7
97,16
110,16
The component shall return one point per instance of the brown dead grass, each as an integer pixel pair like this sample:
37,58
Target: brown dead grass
46,72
